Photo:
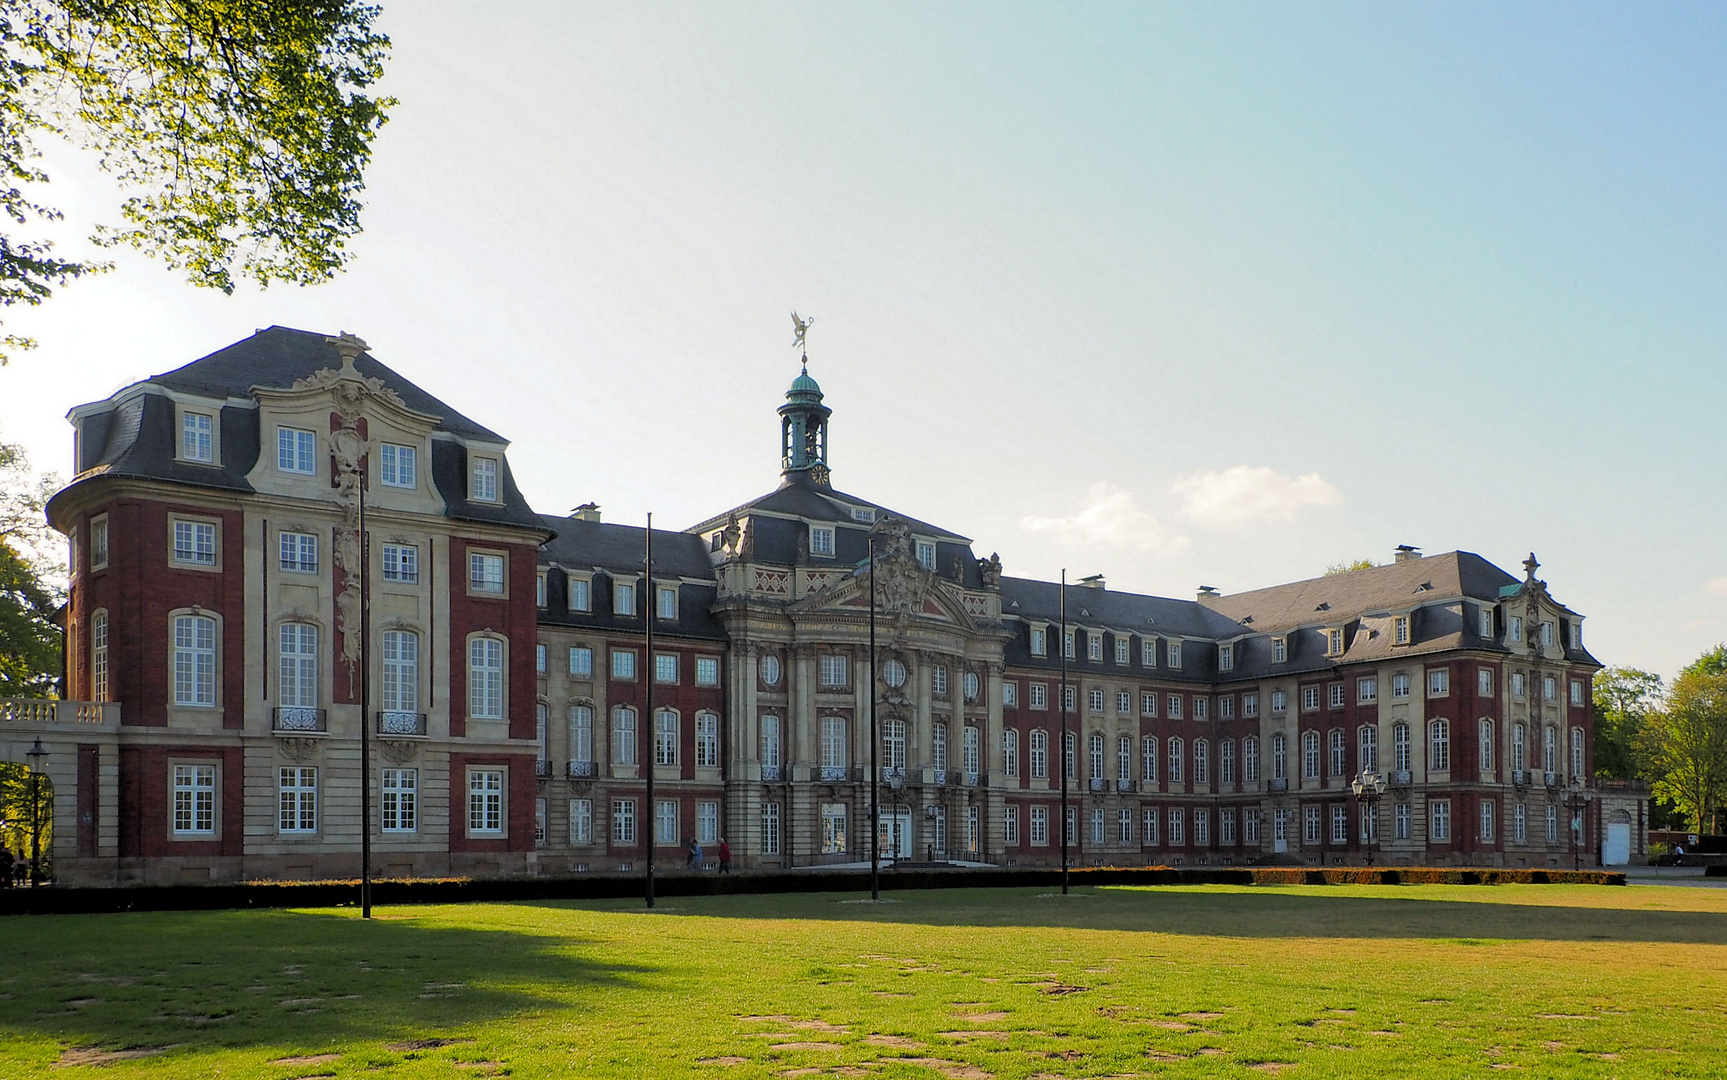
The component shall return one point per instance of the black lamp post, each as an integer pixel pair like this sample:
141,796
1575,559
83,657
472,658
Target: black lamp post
1576,799
1369,787
36,754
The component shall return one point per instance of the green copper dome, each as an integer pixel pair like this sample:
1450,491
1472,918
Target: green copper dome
803,384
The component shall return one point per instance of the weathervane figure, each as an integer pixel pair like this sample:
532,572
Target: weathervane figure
800,327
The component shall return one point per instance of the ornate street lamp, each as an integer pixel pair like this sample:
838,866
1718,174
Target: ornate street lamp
895,783
36,754
1369,788
1577,798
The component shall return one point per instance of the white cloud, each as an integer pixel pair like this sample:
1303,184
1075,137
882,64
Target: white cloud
1244,493
1717,587
1109,518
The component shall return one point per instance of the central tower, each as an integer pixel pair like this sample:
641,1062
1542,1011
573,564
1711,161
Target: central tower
804,432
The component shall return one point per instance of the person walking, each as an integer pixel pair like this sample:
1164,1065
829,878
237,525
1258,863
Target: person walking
6,865
725,856
695,854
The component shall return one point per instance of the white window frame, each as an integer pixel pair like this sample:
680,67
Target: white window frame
487,807
399,801
487,671
401,563
578,592
198,442
707,671
296,451
187,547
297,800
398,465
822,541
296,552
196,789
484,475
581,662
195,641
488,573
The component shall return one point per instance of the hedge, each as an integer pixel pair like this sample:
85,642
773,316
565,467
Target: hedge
274,894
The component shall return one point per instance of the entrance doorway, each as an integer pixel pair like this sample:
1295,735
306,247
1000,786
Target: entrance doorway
896,835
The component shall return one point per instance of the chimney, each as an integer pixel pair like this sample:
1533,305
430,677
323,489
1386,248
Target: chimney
1406,553
1208,593
1095,581
586,512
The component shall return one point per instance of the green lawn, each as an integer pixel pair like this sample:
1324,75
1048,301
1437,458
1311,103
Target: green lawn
1356,981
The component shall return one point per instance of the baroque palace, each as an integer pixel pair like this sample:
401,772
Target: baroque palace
253,532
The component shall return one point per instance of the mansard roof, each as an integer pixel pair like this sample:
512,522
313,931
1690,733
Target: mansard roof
801,497
1124,612
616,551
1339,598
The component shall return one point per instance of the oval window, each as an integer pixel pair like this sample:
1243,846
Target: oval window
971,686
771,670
893,673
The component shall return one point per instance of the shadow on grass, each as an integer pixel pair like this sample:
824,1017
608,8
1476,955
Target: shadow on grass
232,979
1254,912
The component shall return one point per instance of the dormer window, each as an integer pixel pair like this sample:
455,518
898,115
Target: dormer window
1226,658
1123,649
1039,641
623,598
926,554
1172,654
1546,633
398,466
296,451
1399,630
1148,652
1094,646
1067,646
822,541
197,436
1515,632
1334,642
1487,622
1279,650
483,483
865,514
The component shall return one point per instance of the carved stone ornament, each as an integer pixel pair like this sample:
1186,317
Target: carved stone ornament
299,749
990,569
398,751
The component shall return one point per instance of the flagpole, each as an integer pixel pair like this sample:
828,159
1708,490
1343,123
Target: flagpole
365,708
874,740
1062,608
646,606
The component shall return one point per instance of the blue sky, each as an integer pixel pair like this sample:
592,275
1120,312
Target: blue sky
1185,295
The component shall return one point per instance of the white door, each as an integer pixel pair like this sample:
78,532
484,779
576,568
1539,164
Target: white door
1616,846
896,834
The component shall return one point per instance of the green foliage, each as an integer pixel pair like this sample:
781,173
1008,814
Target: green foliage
1348,565
15,812
1624,697
239,130
1685,744
30,638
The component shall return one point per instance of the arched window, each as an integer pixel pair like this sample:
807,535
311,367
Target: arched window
1576,751
770,747
1485,737
1367,748
1226,761
1519,747
1310,755
401,649
1148,759
972,751
665,737
542,736
1039,754
1070,744
1202,761
1250,759
1400,752
582,736
834,755
486,678
1095,757
1279,757
99,656
623,735
297,670
1010,752
1339,752
194,660
1439,745
1124,757
938,747
707,740
1176,752
893,744
1549,760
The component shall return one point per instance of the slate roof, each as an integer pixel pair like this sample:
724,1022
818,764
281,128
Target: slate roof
1394,587
617,551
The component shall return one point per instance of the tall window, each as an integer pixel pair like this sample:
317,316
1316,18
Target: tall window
1070,747
770,747
401,800
1097,826
296,451
1094,649
579,594
298,666
1366,690
1279,650
1279,756
194,660
1520,823
1176,759
1519,747
1173,705
707,821
835,670
1039,641
1400,751
1310,755
666,602
833,818
99,656
665,737
623,598
666,822
1226,761
398,466
581,821
1367,748
401,650
1039,826
1148,759
1122,649
1548,761
770,828
1039,754
623,735
1310,824
298,799
707,740
1172,655
99,543
402,564
623,821
485,801
581,662
1250,759
1010,823
1439,745
1339,753
1149,838
582,734
1489,831
1010,752
834,756
1576,751
196,442
1124,757
1339,823
1552,824
623,664
1226,658
486,573
486,679
1484,682
893,744
971,750
1094,756
1400,822
1177,827
1439,820
1202,761
483,487
926,554
666,668
1226,825
195,800
1484,736
1250,706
